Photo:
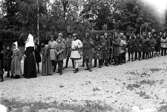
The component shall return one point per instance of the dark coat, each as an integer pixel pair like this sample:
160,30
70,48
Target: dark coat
68,47
88,48
116,47
38,54
59,51
7,60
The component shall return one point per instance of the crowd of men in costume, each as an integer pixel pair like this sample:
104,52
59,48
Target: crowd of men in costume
95,50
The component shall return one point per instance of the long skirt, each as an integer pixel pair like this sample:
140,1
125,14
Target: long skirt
46,67
30,67
16,66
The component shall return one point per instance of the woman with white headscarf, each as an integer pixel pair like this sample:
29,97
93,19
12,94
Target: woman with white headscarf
16,71
29,62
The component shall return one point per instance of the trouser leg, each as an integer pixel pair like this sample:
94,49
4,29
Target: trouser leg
129,56
139,55
60,66
83,62
135,55
73,63
67,60
54,65
95,62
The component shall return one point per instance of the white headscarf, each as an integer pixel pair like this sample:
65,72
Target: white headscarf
30,41
16,44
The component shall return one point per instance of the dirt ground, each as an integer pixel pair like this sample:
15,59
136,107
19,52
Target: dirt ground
139,86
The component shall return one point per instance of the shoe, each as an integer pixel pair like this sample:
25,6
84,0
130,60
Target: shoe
90,70
16,77
76,70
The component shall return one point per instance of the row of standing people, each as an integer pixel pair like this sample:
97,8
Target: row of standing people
103,49
10,60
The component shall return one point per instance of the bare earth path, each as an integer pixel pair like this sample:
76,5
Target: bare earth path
140,84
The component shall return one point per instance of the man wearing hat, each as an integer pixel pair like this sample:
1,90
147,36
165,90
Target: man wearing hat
75,53
88,46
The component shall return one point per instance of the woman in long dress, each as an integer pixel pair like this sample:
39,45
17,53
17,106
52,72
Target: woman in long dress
16,71
46,63
29,62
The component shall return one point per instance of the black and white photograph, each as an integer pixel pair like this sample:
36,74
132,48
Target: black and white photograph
83,55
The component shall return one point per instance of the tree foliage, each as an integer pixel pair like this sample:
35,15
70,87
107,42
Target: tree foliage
70,16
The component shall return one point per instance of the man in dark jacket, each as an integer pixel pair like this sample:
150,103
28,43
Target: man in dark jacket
68,50
88,50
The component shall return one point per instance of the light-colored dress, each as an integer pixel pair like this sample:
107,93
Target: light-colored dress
16,63
46,63
163,43
76,46
52,45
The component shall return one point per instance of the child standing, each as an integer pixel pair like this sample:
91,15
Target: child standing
7,60
16,62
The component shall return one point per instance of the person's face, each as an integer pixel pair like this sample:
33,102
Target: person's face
160,33
8,48
105,34
74,37
60,35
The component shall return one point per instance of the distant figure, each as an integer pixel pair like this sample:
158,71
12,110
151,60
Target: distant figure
7,60
29,62
46,63
16,71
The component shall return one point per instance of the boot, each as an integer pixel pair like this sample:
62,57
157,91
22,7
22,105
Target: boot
95,63
76,70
